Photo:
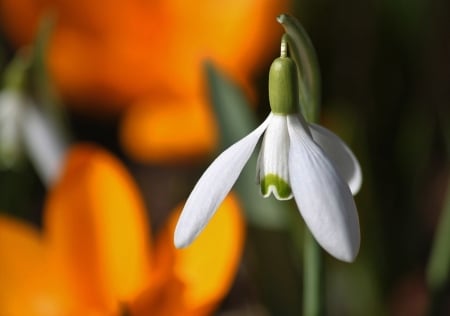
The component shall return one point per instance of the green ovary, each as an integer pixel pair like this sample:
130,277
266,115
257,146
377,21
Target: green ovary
282,188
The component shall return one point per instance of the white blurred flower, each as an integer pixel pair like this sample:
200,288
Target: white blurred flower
26,128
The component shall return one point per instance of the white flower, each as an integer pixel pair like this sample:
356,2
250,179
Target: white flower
23,126
297,159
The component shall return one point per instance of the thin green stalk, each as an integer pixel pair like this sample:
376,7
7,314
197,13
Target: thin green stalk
313,287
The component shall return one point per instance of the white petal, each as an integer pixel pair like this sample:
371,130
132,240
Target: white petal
213,186
342,156
323,198
273,160
45,147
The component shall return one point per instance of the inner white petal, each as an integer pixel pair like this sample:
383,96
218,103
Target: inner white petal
273,160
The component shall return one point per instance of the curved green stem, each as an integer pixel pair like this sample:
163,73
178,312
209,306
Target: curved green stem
303,53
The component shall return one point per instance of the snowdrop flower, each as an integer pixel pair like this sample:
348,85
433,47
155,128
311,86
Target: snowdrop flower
25,127
297,160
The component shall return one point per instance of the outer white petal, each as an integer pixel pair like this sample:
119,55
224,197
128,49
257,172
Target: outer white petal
323,198
213,186
342,156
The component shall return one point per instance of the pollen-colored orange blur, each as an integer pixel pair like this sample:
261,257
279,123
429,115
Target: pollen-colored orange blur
118,51
95,217
95,256
106,56
168,132
212,258
27,285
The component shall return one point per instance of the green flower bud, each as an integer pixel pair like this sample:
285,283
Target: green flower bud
283,86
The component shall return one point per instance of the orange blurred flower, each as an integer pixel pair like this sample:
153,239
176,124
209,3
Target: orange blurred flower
108,55
95,255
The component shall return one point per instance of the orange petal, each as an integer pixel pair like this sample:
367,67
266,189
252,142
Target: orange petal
237,35
27,286
20,33
96,225
202,273
112,52
168,130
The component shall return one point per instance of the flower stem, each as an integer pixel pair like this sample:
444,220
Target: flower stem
302,51
313,292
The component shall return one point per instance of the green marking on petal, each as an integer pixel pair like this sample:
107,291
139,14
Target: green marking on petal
280,188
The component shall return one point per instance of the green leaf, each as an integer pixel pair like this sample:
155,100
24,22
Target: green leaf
40,76
235,120
15,74
41,81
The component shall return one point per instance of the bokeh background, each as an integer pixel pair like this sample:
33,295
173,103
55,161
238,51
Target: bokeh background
130,77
